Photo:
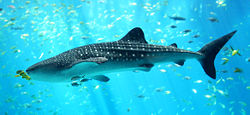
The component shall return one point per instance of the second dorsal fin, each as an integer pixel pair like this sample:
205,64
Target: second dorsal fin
173,45
134,35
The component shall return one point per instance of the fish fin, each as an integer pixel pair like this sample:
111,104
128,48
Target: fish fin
173,45
101,78
238,53
134,35
180,62
146,67
209,52
231,48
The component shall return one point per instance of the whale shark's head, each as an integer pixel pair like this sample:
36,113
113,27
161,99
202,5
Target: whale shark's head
50,70
63,67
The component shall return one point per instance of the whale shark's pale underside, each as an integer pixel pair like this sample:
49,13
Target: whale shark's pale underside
132,52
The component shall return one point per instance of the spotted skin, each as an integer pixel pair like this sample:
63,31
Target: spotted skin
114,51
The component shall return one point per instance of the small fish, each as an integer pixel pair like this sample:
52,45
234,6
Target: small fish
208,96
18,85
212,13
242,103
212,19
23,74
186,31
17,75
11,6
177,18
84,80
173,26
75,78
27,2
222,105
221,92
81,22
24,93
128,109
1,9
9,99
224,71
187,78
17,51
97,86
218,81
225,61
84,37
36,7
13,19
99,39
221,3
167,92
190,41
27,105
234,52
24,35
116,36
237,70
194,90
230,78
163,70
230,109
140,96
16,28
248,59
75,84
159,89
196,36
198,81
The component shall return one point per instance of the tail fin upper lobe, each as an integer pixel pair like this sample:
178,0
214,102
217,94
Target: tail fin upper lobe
210,51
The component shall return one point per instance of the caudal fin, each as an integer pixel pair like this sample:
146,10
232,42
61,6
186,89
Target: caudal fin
210,51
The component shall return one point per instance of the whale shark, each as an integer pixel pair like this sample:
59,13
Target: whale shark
132,52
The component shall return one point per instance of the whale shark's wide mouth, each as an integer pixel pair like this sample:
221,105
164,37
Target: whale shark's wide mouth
41,66
30,69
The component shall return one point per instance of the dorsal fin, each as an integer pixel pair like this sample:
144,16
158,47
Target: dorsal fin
173,45
134,35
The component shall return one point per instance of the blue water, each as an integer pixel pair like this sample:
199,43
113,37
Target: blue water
31,31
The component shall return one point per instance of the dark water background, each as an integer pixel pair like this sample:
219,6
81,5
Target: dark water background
31,31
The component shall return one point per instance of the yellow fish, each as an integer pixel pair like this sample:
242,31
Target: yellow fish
234,52
237,70
225,60
23,74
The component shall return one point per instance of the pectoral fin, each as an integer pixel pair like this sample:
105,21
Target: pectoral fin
146,67
180,62
173,45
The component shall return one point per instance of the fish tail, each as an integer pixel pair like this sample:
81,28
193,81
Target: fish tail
210,51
